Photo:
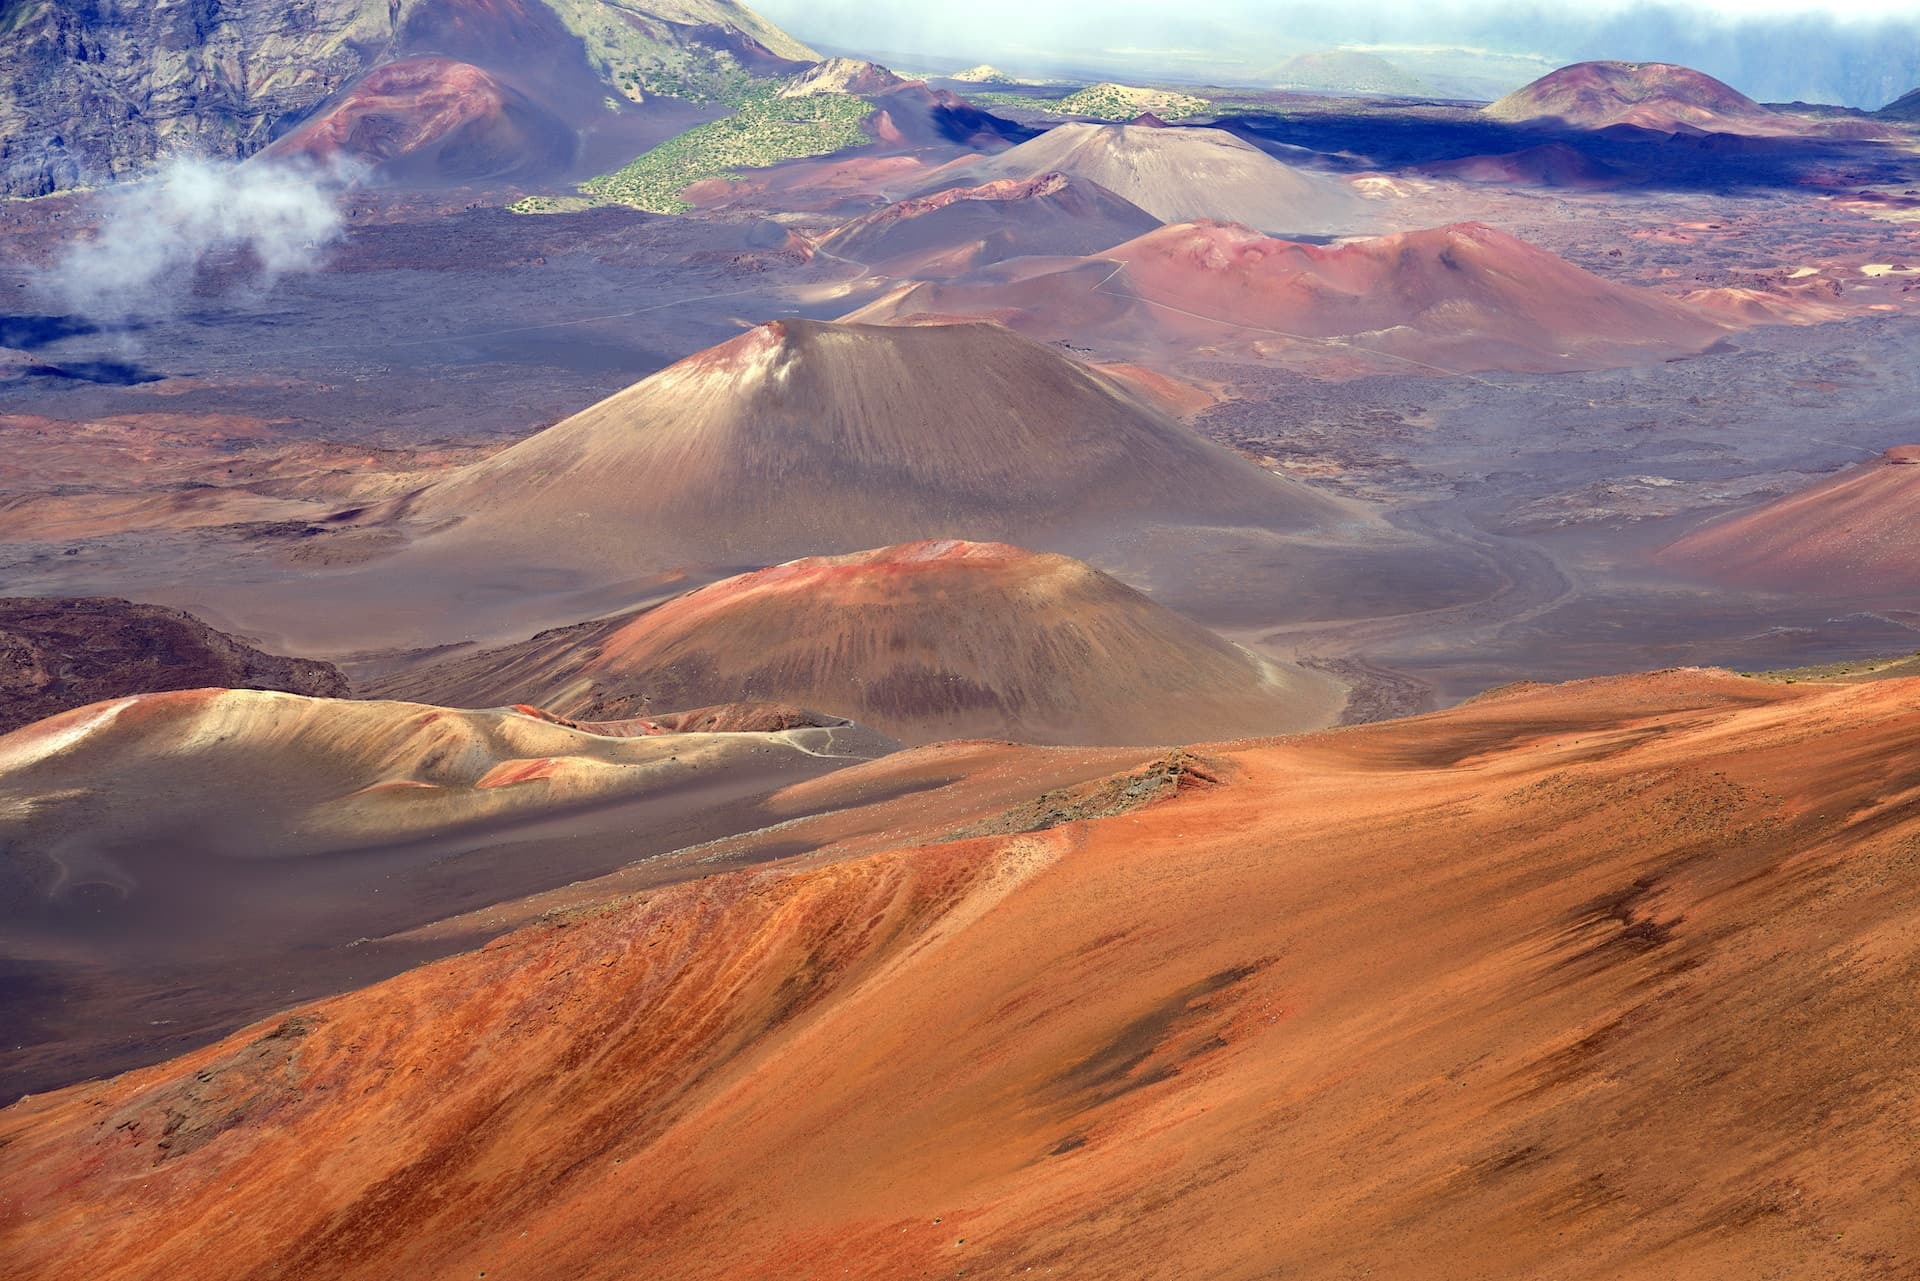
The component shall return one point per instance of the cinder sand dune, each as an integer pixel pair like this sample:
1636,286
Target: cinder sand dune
102,797
177,863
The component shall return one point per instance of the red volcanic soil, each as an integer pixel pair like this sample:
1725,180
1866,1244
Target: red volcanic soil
1464,297
57,654
1553,164
1178,174
956,230
804,437
74,479
1849,538
1606,980
436,120
1177,396
1647,95
925,641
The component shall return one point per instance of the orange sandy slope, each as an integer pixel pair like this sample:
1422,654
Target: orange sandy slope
1849,537
1606,980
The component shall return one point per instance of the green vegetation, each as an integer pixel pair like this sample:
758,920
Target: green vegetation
1849,672
1102,102
640,61
1251,107
1123,102
765,130
553,204
692,75
984,74
1031,102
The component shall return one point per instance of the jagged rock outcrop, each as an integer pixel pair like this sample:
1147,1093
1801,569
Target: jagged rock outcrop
93,93
89,94
57,654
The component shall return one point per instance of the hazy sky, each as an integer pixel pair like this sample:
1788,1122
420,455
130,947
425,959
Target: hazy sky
1858,52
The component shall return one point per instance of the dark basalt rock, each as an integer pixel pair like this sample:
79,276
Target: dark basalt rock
57,654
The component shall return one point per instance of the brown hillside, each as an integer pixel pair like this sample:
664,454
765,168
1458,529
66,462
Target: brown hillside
1604,980
1462,297
1851,537
921,642
1648,95
803,437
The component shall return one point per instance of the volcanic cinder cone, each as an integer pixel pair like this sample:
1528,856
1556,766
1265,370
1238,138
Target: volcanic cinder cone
1649,95
966,227
1178,174
801,437
1853,537
924,641
435,120
1460,298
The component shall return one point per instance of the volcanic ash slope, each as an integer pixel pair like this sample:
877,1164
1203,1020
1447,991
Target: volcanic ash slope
803,437
1854,537
1612,979
1179,174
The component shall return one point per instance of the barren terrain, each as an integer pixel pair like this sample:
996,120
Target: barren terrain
981,697
1560,983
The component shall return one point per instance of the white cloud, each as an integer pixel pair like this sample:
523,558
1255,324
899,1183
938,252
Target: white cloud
156,232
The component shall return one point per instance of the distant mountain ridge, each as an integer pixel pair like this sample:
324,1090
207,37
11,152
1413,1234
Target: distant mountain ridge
1905,107
90,94
1348,71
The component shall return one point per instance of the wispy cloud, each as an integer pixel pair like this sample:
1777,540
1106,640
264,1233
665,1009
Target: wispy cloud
156,233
